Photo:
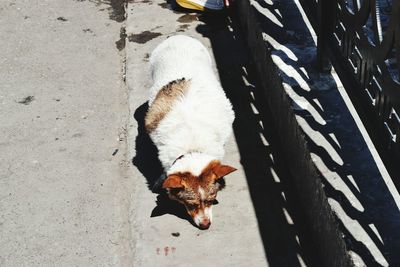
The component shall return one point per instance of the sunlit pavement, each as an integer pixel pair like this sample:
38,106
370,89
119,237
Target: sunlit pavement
76,167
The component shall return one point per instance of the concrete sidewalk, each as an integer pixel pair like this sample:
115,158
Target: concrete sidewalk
76,165
169,240
64,198
253,224
73,193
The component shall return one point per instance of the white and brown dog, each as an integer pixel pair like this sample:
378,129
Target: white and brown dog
189,120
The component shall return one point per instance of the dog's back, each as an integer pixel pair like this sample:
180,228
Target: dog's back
177,57
188,110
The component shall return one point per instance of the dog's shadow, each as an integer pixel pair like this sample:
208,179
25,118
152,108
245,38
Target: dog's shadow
147,162
146,159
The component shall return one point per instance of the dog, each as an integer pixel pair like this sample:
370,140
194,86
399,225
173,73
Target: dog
189,119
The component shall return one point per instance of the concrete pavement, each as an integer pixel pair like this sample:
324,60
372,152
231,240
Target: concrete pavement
227,242
253,224
69,194
76,166
64,195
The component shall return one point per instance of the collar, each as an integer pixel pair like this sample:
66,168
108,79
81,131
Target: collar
181,156
178,158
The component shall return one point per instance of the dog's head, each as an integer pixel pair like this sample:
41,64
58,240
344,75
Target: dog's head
198,191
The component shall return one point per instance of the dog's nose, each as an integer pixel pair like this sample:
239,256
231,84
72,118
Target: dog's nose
205,224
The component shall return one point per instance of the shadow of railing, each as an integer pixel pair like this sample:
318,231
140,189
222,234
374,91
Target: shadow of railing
367,211
285,238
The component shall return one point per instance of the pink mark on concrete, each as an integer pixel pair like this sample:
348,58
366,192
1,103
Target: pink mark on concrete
166,250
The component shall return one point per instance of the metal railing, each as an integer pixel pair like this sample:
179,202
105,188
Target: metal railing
361,38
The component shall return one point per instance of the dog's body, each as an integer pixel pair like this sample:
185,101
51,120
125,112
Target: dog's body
189,120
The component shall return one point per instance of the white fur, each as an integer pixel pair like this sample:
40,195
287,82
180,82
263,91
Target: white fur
200,123
202,194
198,218
208,213
191,162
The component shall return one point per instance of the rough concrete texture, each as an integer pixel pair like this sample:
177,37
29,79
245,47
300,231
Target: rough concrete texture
358,187
64,198
253,224
72,193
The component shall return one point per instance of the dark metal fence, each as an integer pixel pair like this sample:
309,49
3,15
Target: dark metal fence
361,38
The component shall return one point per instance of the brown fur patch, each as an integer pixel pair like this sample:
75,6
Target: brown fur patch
163,102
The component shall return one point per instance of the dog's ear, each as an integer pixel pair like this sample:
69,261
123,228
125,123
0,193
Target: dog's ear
215,171
222,170
173,181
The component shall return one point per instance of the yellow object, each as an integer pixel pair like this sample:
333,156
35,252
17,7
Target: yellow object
190,5
201,5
